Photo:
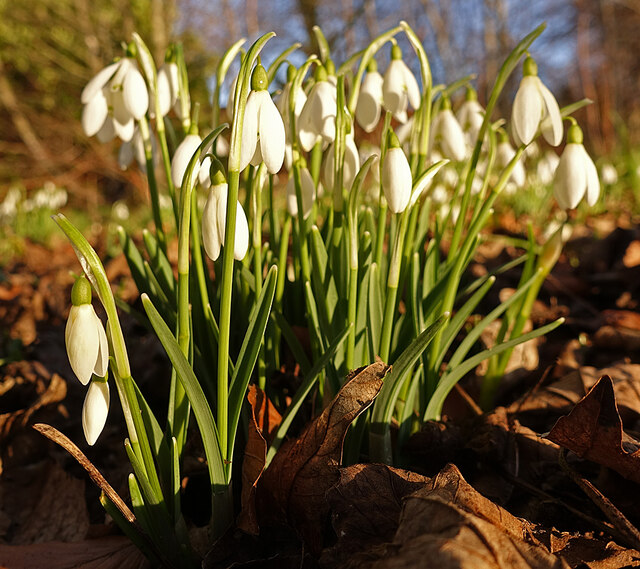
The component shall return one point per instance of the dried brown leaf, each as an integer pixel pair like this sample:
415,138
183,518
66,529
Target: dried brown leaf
264,419
593,430
104,553
292,489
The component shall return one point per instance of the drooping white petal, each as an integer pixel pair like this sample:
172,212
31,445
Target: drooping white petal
411,86
102,361
504,153
318,116
95,410
593,182
272,135
394,94
204,173
369,107
125,155
181,158
94,114
211,235
451,136
351,164
241,244
552,124
570,182
308,194
107,132
165,97
134,93
82,341
396,180
97,82
249,130
527,109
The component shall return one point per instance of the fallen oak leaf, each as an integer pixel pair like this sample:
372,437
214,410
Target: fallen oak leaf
264,419
365,507
292,489
593,430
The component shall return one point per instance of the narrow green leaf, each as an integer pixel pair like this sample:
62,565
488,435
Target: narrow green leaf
448,381
201,409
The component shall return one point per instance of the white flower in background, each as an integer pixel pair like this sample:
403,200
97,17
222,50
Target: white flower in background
117,93
351,164
263,136
317,121
400,87
182,157
448,135
95,409
369,106
308,190
470,116
397,181
535,107
134,150
299,99
214,218
84,336
576,174
504,154
608,174
546,167
168,87
367,150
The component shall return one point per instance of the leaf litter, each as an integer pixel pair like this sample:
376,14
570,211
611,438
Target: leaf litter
473,491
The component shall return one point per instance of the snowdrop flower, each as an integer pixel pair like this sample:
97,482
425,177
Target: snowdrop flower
367,150
351,164
535,107
134,150
576,174
369,106
317,122
84,335
399,87
397,181
470,116
182,156
299,99
95,409
608,174
119,89
448,133
308,190
546,167
214,218
504,154
263,136
168,86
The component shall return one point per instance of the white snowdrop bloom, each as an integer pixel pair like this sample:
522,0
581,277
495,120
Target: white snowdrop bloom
120,89
299,99
397,181
85,338
504,153
546,167
576,174
134,150
448,135
470,116
308,190
263,136
439,194
399,87
167,86
608,174
182,157
317,121
351,164
95,410
369,106
214,217
535,107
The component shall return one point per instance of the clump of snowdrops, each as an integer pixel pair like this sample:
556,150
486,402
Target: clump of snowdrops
363,245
